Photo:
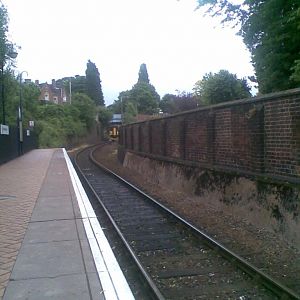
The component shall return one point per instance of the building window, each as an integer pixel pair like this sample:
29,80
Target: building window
46,97
64,99
55,100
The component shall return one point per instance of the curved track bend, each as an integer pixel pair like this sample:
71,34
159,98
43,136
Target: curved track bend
177,260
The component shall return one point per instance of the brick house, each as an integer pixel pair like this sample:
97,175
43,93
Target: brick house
52,92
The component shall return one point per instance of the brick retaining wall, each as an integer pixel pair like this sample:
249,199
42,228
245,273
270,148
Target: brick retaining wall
260,135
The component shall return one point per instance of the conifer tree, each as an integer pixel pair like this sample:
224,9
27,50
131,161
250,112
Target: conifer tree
143,94
93,84
143,74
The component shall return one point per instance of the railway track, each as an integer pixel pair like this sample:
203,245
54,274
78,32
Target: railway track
177,260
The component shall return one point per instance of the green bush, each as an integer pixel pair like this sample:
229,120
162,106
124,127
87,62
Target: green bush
57,124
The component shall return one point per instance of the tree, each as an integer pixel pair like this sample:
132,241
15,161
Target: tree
7,51
93,83
104,116
143,74
130,112
11,96
141,99
270,30
145,97
56,124
86,107
78,84
30,101
143,94
296,71
221,87
172,104
3,34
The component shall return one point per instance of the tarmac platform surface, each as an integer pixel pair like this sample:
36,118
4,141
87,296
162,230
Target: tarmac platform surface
51,244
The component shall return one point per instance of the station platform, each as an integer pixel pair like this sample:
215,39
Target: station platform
51,243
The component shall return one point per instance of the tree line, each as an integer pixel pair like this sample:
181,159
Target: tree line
55,125
270,30
143,99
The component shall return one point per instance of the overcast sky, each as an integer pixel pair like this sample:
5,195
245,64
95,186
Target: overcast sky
175,41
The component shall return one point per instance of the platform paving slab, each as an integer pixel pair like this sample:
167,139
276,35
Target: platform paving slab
20,183
59,288
50,208
48,260
55,261
51,231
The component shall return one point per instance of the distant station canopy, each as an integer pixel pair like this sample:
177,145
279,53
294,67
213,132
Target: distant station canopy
116,119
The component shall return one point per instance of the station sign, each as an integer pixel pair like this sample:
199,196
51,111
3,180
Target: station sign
4,129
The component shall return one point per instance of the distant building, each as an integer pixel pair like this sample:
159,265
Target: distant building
52,92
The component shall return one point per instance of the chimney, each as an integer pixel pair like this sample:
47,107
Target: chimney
37,82
53,83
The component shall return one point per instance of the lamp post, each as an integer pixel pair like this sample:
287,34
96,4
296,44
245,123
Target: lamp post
20,115
2,94
122,108
70,90
12,55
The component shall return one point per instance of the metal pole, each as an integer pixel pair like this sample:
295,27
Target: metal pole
2,95
20,100
121,110
21,115
70,87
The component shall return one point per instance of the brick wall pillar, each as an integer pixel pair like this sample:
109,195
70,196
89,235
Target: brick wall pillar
150,136
140,138
164,138
125,137
131,138
183,137
256,125
211,126
120,136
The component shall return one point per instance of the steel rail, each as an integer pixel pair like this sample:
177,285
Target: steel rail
145,274
271,284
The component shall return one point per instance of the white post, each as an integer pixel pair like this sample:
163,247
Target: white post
70,87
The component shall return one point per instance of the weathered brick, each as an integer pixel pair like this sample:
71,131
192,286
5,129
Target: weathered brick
261,135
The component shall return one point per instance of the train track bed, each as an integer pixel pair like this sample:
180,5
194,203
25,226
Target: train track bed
259,247
135,280
181,265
